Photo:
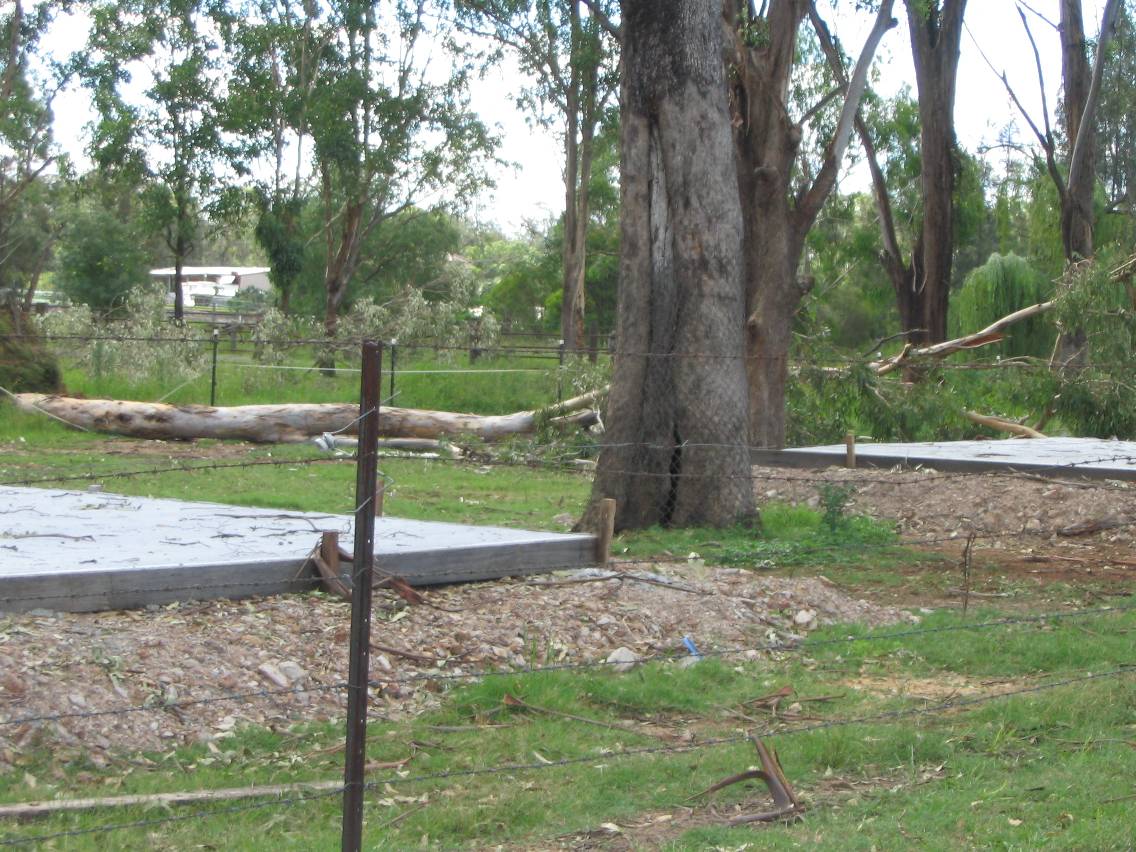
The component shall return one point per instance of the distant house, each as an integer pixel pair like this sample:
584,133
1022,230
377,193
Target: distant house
213,285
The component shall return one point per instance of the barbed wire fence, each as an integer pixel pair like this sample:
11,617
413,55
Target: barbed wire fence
620,570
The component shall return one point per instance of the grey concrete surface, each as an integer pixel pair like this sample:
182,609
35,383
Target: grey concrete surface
1086,457
82,551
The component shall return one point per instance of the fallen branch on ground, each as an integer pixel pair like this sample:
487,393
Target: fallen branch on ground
786,804
23,810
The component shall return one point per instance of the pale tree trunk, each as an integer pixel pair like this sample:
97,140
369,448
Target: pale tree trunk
936,36
294,421
581,112
342,258
675,449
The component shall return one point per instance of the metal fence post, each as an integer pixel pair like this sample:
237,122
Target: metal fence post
366,469
213,376
394,363
560,374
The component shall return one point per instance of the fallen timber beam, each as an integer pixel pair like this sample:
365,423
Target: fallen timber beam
294,422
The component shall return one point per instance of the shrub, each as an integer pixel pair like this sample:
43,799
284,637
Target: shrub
26,365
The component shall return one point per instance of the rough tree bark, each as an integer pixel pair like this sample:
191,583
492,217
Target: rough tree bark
777,215
936,35
1076,74
675,449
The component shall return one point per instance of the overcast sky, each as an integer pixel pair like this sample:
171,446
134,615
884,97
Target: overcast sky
532,189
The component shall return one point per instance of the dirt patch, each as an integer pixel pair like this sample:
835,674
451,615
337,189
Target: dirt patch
929,504
295,649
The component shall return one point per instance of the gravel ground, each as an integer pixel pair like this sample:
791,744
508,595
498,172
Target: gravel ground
931,504
52,663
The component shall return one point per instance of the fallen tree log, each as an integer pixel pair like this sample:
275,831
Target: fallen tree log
287,423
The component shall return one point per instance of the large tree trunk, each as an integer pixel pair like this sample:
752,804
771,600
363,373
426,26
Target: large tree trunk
342,257
936,34
777,219
675,450
767,141
179,292
289,422
1076,76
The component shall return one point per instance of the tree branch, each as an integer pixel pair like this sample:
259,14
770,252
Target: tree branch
612,28
1045,140
1083,144
1037,14
813,200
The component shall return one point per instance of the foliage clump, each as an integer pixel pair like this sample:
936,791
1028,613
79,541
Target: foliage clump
1095,393
1004,284
26,366
450,325
137,342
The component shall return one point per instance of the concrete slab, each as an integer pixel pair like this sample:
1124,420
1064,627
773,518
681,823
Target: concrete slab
81,551
1078,457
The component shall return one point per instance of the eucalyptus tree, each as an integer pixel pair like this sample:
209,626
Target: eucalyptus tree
274,62
782,190
675,450
571,60
30,163
935,28
155,71
1115,121
920,274
372,102
1074,169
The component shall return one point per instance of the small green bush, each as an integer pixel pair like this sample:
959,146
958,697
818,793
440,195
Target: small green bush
25,365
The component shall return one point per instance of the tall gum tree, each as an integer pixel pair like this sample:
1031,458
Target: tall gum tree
570,59
923,287
1075,178
675,450
387,131
921,282
170,133
28,222
1075,175
274,63
780,198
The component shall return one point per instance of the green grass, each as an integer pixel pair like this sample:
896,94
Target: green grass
1048,769
421,381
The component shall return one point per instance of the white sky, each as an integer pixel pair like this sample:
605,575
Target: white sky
532,190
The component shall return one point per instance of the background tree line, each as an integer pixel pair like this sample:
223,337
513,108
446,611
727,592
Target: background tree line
335,143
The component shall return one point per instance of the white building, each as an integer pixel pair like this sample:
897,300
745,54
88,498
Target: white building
213,285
